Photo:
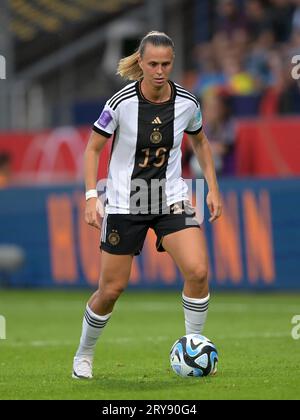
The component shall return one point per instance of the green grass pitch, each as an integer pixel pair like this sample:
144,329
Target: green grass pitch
259,359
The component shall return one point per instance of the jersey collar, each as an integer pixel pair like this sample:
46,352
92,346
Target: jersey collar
142,97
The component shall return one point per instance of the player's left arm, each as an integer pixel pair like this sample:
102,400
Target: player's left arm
204,156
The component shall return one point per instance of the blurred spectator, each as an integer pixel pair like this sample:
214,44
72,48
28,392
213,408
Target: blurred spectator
283,96
219,127
229,19
249,56
294,48
270,102
258,19
210,74
296,16
221,65
281,13
5,169
238,81
256,61
289,98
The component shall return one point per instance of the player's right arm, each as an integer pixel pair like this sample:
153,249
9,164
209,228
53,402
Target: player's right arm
91,159
103,129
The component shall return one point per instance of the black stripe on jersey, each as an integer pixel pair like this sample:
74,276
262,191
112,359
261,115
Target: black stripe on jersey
193,133
182,90
151,156
127,92
111,152
124,90
123,98
119,94
183,95
103,133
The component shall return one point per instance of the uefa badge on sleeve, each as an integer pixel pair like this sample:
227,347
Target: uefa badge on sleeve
105,119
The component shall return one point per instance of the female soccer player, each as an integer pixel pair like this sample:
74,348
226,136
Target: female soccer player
148,119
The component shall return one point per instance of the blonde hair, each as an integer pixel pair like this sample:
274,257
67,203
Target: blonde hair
128,67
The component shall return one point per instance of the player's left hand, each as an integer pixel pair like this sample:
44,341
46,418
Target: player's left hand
214,204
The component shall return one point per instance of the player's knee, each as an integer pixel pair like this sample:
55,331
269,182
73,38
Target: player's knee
111,293
197,276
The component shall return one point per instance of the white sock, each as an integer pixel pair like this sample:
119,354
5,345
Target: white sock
92,327
195,313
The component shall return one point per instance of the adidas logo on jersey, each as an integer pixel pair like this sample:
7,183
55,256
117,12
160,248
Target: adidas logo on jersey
157,120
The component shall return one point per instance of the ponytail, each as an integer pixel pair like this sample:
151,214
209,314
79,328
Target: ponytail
128,67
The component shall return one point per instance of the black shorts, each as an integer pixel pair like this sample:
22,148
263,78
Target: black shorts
124,234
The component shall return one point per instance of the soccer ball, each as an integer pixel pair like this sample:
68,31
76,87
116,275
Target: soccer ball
194,355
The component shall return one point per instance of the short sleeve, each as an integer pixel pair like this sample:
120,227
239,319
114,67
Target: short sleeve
107,122
195,123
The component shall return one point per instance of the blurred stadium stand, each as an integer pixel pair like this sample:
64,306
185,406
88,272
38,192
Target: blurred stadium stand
60,64
62,55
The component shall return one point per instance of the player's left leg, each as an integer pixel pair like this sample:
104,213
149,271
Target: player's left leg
188,249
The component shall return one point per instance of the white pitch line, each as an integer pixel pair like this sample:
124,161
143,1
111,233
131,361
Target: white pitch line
214,307
129,340
222,307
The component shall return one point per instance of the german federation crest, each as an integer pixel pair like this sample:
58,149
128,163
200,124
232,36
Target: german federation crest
156,136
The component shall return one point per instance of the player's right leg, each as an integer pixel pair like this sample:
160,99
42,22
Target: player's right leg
114,277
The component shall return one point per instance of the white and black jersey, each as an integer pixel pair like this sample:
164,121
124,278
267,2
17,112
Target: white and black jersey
147,144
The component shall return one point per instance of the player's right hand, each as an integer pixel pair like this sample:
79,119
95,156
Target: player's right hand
92,217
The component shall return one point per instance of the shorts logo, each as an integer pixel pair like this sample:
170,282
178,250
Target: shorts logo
156,136
176,209
105,119
114,238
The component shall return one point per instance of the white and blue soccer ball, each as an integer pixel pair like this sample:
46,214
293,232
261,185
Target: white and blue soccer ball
194,355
